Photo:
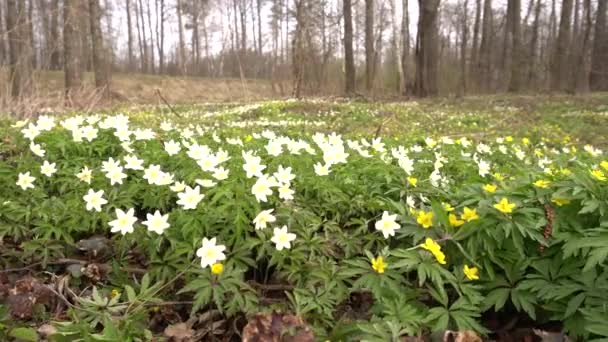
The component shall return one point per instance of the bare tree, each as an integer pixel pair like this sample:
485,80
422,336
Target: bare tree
71,47
160,33
516,51
476,30
426,49
533,54
599,67
559,66
298,48
369,44
462,89
141,31
182,44
405,38
100,53
20,71
583,61
151,46
130,36
349,60
397,47
55,42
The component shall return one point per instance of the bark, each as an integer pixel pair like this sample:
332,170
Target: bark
426,49
55,44
397,47
463,49
516,59
182,44
476,30
259,8
298,48
141,28
45,48
151,45
4,53
243,13
485,53
349,61
72,58
582,64
560,65
599,56
195,38
369,44
100,52
532,56
20,66
30,33
130,36
405,36
160,34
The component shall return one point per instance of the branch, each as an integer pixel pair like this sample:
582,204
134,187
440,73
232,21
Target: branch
167,103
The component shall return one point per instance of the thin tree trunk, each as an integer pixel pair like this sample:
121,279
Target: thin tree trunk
462,89
582,64
427,49
195,38
100,54
182,44
130,36
71,47
55,41
160,33
298,49
560,65
4,53
46,47
485,55
532,56
405,33
476,31
599,56
30,33
369,44
144,41
397,47
349,61
20,72
151,45
516,59
259,7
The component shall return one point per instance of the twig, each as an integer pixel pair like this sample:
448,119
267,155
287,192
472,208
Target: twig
167,103
271,287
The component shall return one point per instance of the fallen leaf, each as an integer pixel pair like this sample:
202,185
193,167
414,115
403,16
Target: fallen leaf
179,332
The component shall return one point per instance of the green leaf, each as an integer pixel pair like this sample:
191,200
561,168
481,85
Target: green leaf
24,334
574,303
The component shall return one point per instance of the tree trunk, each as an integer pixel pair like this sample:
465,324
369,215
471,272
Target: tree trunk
45,46
476,31
369,44
4,53
582,63
599,56
349,61
405,33
151,46
298,49
485,53
397,47
516,51
426,49
462,89
55,44
259,8
560,65
30,33
195,38
141,28
130,36
532,55
20,59
182,44
100,53
71,47
160,37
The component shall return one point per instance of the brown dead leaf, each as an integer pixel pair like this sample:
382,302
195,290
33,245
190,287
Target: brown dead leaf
179,332
461,336
46,330
276,327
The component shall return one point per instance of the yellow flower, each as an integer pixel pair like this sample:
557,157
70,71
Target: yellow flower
471,272
413,211
573,150
538,153
598,174
447,207
525,141
499,176
412,180
114,293
469,214
378,264
454,221
543,184
560,201
565,172
425,219
509,138
434,248
491,188
217,268
248,138
504,206
604,164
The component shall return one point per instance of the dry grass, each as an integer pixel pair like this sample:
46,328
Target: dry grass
131,89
